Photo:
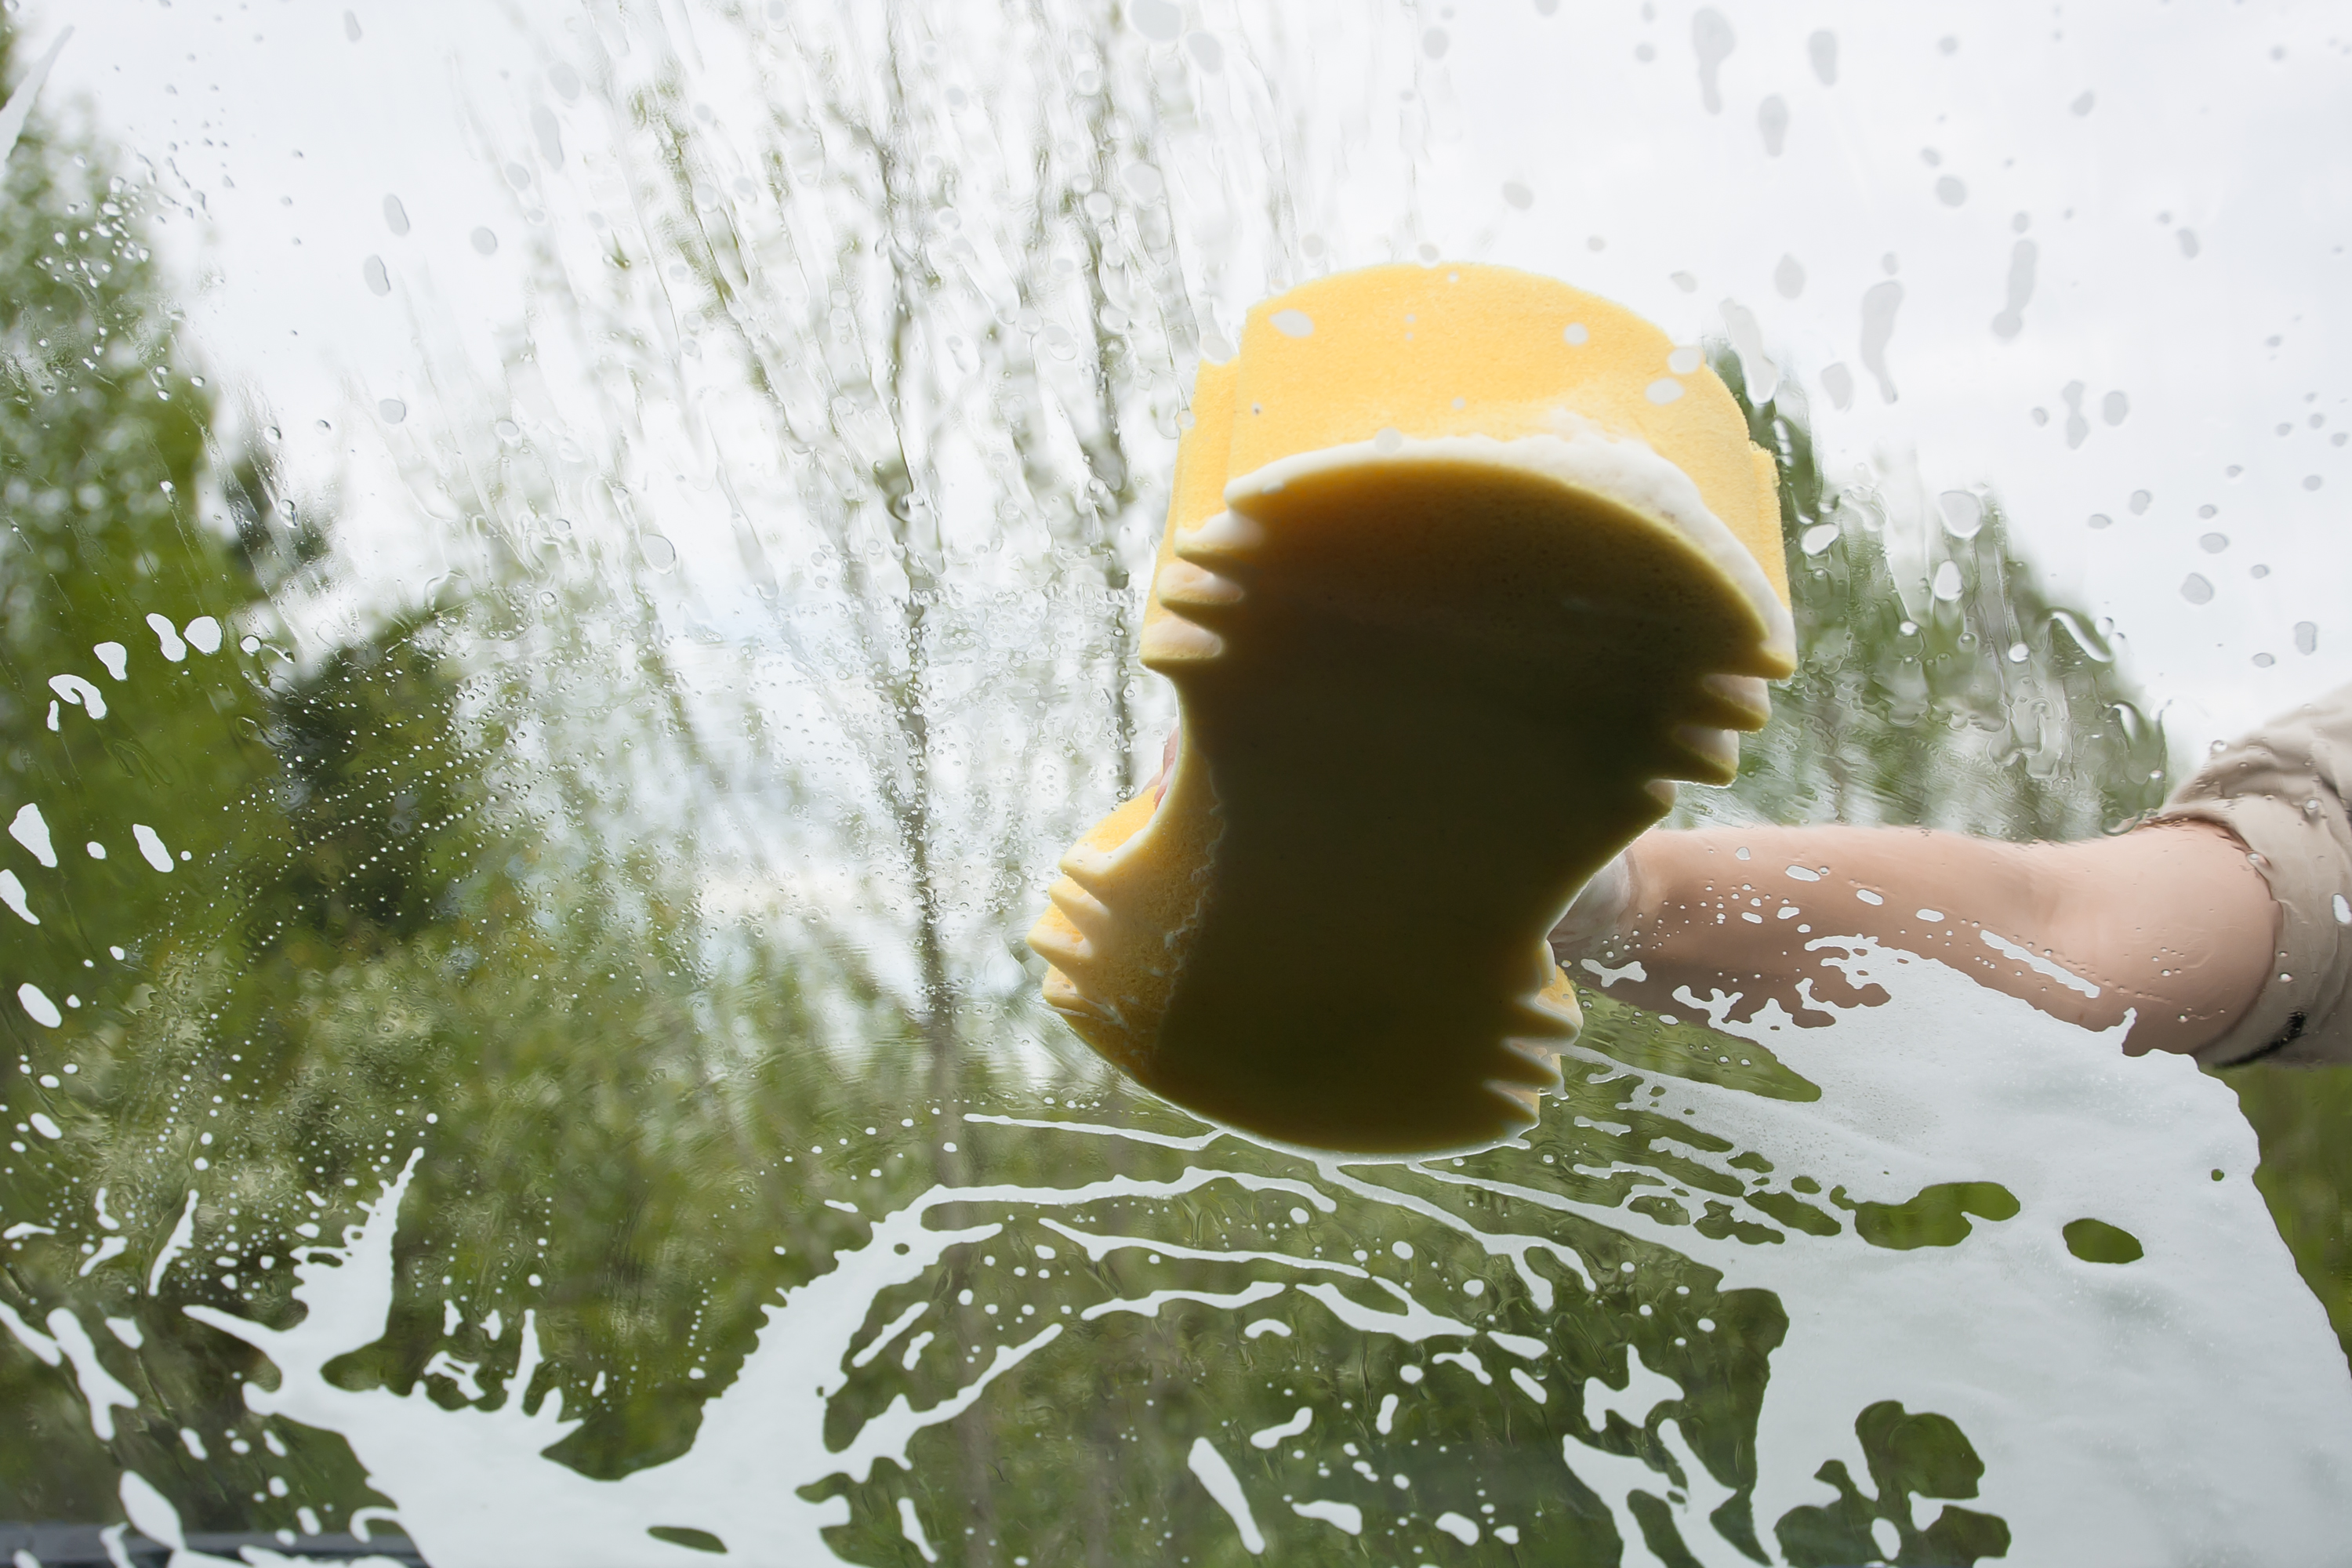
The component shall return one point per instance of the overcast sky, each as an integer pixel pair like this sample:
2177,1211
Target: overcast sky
2173,166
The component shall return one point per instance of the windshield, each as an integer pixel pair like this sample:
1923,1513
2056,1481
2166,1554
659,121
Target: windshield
571,570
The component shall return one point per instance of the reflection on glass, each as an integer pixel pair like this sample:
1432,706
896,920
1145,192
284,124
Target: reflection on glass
518,1047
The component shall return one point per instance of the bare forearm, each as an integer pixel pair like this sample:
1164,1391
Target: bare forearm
2170,924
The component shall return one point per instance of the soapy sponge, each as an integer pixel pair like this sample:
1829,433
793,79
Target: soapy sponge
1462,566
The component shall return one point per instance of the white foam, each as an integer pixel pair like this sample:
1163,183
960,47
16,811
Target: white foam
101,1390
1266,1438
174,1245
2032,960
31,829
41,1010
167,637
151,844
1457,1526
11,893
81,693
1223,1484
1343,1516
2101,1441
910,1525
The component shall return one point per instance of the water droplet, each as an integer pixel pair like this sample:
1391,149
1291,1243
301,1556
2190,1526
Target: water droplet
1663,390
1207,50
2214,544
1822,49
2101,520
1575,334
2022,256
548,134
2306,636
564,79
660,553
350,27
1388,441
379,281
1788,277
1142,181
1952,191
2311,481
1713,41
1434,43
2083,104
1773,121
1292,323
1517,194
2139,501
2078,429
2196,589
485,241
1963,514
395,217
1947,585
1879,303
1685,360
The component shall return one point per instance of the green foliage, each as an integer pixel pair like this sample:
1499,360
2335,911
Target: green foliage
1908,1455
2306,1176
2097,1241
1937,1216
1938,683
412,915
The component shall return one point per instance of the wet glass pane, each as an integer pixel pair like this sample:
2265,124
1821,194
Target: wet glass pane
570,571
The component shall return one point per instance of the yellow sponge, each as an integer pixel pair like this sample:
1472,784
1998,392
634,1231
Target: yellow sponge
1462,565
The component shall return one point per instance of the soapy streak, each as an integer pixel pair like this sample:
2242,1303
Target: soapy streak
1097,1247
1503,1245
438,1464
1133,1135
2040,966
813,1324
896,1326
1148,1306
1221,1484
1513,1246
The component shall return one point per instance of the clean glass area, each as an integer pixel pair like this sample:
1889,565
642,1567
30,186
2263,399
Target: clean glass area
567,570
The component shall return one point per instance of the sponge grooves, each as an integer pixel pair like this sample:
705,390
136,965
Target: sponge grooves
1428,689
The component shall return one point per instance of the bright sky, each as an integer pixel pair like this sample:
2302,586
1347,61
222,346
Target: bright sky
2170,162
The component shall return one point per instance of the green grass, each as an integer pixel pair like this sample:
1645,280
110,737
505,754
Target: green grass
2302,1116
